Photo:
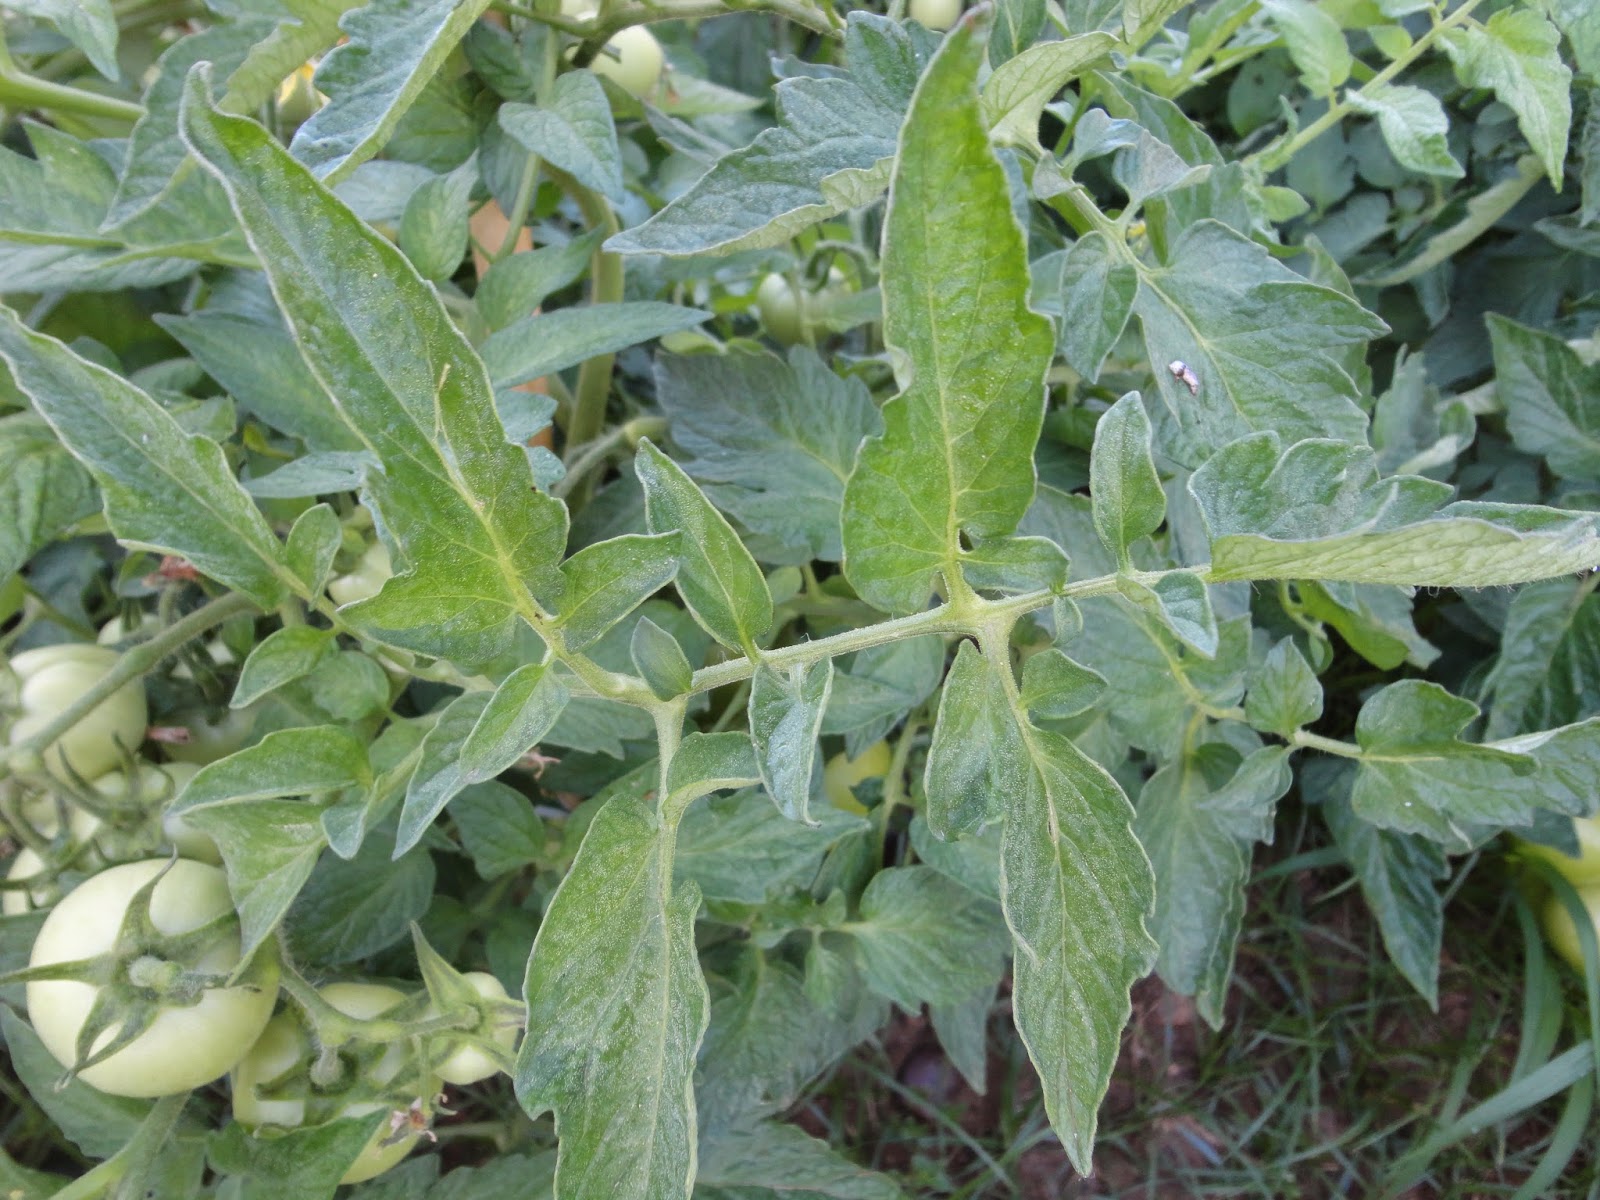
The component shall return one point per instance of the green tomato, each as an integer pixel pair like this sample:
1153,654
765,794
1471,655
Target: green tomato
786,316
632,60
466,1063
842,773
29,868
372,571
210,740
1580,871
1562,933
285,1049
936,14
187,1045
50,680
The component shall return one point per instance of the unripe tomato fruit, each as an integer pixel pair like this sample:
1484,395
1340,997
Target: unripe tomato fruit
187,1045
210,740
51,678
1580,871
784,315
27,864
1561,932
843,772
638,62
936,14
284,1048
467,1064
372,571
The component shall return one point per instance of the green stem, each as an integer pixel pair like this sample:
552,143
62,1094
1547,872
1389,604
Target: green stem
1315,741
23,91
595,454
1273,156
133,663
973,618
605,287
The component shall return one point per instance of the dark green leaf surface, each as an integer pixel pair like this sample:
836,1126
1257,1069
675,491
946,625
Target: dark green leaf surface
282,657
770,442
607,581
775,1161
1126,491
571,129
548,342
443,769
975,761
923,938
522,710
43,490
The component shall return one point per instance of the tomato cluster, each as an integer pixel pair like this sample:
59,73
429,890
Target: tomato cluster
138,981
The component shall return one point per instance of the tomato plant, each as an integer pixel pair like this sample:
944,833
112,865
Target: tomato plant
721,523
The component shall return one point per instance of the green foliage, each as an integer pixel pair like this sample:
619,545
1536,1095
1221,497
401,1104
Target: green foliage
1145,359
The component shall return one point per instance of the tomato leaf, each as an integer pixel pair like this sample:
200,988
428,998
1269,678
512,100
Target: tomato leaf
786,709
392,48
956,454
717,577
43,489
162,488
1318,510
455,493
616,1011
770,442
830,152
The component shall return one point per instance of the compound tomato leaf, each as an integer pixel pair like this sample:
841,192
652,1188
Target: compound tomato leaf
391,49
956,455
1284,692
1016,92
288,762
162,488
771,442
1551,397
51,209
772,1160
1076,888
786,709
717,577
1264,346
1414,126
1197,819
1517,53
571,128
923,938
549,342
281,657
268,848
1415,775
482,545
709,762
617,1008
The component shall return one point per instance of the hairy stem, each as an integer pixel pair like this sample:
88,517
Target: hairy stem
134,663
